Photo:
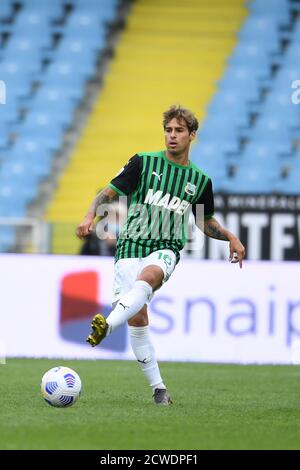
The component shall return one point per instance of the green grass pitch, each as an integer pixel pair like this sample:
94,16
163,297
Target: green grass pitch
215,407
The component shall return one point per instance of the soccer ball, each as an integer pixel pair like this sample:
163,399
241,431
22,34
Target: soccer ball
61,386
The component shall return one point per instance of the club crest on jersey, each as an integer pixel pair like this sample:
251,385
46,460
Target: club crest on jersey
190,189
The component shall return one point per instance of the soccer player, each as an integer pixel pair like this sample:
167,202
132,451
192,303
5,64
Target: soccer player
163,187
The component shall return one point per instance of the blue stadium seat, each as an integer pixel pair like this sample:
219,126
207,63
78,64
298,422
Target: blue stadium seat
28,147
238,90
252,54
18,181
24,174
288,72
104,10
32,22
84,22
292,56
260,155
249,180
53,99
3,132
27,45
12,206
236,102
280,104
277,9
295,35
65,73
10,112
40,123
51,10
210,158
37,141
21,68
21,187
271,128
84,50
221,131
261,28
86,59
290,184
5,10
94,4
61,115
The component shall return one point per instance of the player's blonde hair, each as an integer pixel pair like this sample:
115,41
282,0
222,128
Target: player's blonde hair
178,112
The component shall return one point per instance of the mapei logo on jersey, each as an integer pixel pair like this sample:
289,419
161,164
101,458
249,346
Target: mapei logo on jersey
190,189
172,203
80,300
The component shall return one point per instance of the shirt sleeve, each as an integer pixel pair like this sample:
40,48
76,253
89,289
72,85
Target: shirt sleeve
206,198
126,181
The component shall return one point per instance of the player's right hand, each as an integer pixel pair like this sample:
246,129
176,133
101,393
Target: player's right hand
85,228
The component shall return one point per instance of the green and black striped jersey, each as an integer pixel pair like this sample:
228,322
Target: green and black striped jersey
162,194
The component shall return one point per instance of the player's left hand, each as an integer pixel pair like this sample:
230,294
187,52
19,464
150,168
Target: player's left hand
237,252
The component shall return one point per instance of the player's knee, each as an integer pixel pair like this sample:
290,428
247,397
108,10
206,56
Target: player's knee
153,275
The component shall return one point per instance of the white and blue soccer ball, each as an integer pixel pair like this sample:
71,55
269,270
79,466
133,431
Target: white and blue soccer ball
61,387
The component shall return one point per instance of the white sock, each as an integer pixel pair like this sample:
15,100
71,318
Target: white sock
129,304
144,352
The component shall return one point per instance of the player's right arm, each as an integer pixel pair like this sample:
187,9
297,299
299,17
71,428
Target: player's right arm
124,183
87,225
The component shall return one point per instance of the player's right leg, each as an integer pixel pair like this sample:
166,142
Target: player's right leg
152,272
130,294
136,284
99,330
125,273
135,293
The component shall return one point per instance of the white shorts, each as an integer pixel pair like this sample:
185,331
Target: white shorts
127,270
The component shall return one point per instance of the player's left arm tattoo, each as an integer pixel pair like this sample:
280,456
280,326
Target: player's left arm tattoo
213,229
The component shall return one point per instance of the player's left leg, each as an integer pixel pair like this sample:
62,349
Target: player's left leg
144,352
164,262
